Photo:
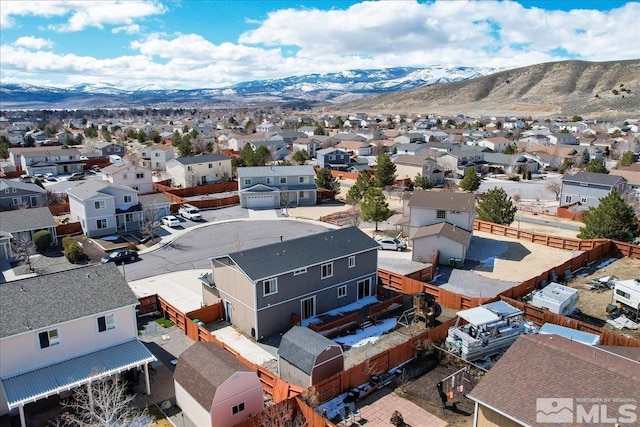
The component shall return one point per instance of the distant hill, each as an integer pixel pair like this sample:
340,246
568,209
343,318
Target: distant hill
300,91
565,88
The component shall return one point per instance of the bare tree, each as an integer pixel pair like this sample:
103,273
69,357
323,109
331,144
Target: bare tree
23,246
281,414
149,223
192,179
555,187
105,403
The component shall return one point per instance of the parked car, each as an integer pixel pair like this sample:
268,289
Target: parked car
50,177
190,212
38,176
392,244
26,178
119,256
170,221
76,176
95,168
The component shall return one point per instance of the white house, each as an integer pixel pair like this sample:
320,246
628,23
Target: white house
497,144
103,208
64,330
129,174
156,156
54,159
198,170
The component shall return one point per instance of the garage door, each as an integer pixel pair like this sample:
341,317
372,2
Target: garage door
257,202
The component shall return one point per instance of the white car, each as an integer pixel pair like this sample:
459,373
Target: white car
392,244
170,221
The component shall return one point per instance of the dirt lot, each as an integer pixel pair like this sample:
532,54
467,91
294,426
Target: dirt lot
593,303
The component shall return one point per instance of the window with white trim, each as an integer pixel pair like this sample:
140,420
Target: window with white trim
210,165
101,223
127,198
300,271
270,286
441,214
342,291
352,261
567,199
139,175
326,270
247,181
283,180
49,338
128,217
99,204
583,200
17,201
301,179
107,322
235,409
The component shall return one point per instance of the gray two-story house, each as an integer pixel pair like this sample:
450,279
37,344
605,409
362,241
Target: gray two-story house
587,188
16,195
41,160
333,158
262,287
276,186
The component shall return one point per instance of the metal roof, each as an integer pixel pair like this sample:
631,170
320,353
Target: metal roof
478,315
40,383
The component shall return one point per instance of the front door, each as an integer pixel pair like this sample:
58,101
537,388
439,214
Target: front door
228,311
364,288
308,308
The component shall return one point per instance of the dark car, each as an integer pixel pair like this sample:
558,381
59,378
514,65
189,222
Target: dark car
119,256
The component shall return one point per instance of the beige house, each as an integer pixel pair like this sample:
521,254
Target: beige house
199,170
408,166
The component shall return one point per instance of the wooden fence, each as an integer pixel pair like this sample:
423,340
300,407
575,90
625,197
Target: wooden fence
148,304
178,196
59,208
297,407
69,228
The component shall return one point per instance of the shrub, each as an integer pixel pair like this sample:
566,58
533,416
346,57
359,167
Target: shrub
42,240
73,251
165,323
514,178
66,241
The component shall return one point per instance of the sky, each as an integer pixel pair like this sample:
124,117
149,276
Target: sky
189,44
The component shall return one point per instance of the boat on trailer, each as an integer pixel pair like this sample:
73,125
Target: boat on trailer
489,330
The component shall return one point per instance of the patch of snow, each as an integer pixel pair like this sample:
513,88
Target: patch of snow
344,309
368,335
489,261
110,238
607,262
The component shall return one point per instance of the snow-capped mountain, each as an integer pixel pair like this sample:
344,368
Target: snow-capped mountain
310,89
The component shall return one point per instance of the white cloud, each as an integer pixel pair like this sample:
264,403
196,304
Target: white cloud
81,14
300,41
30,42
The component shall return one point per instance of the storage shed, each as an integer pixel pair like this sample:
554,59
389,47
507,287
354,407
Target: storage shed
213,388
306,358
556,298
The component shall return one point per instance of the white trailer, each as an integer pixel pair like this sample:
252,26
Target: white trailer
556,298
627,293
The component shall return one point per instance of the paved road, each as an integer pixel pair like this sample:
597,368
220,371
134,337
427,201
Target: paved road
534,189
193,249
556,224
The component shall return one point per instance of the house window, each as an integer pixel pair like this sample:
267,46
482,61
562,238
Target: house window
352,261
127,198
99,204
17,201
441,214
237,408
189,168
270,286
623,294
49,338
332,157
247,181
139,175
135,188
268,180
326,270
583,200
342,291
128,217
106,323
124,176
299,271
283,180
302,194
456,212
301,180
101,224
567,199
157,154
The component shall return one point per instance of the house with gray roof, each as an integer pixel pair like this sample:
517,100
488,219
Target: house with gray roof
261,288
268,187
17,195
199,170
587,188
509,163
104,208
213,388
333,158
21,226
306,358
64,330
408,167
109,148
51,159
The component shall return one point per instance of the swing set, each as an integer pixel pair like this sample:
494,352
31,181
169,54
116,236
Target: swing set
452,384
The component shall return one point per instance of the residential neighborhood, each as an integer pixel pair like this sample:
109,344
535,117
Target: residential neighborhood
279,293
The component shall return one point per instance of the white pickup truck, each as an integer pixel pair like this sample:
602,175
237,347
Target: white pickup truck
190,212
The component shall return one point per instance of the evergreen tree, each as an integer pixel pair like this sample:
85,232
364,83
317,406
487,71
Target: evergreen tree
611,219
247,155
471,181
585,157
627,159
359,188
384,171
597,166
375,207
4,148
421,182
496,206
325,180
300,157
261,156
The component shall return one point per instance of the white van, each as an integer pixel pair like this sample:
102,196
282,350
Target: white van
191,212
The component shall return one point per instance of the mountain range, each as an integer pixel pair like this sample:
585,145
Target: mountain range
305,90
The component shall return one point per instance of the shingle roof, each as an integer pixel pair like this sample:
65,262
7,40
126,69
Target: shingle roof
300,346
153,199
51,299
445,200
26,219
205,158
417,160
550,366
26,186
444,229
329,150
203,367
594,178
91,188
260,171
271,260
